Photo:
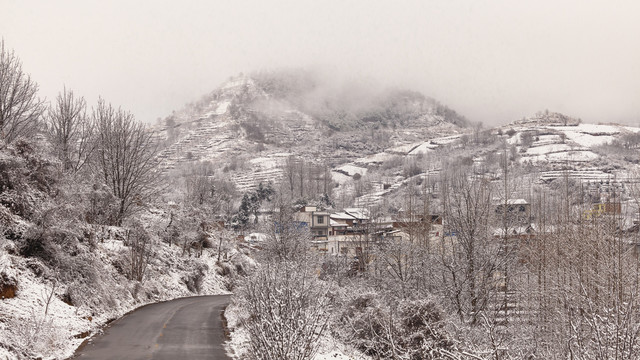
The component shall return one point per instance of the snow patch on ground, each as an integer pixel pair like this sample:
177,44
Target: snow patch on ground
547,140
351,169
424,148
222,107
238,346
591,129
573,156
403,149
377,158
563,156
273,161
589,140
340,178
548,149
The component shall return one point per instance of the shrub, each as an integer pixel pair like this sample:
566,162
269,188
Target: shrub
287,311
195,279
414,329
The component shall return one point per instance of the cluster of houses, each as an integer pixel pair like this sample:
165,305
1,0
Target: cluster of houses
352,231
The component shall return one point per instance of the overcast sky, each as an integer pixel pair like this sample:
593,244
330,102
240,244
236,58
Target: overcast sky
492,61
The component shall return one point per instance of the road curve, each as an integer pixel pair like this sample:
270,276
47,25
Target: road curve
185,328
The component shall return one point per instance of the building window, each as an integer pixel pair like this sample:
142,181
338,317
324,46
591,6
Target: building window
320,219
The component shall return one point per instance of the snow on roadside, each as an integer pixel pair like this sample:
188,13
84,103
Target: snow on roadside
238,345
25,331
25,324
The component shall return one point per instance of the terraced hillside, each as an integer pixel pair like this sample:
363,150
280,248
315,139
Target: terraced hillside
251,124
376,144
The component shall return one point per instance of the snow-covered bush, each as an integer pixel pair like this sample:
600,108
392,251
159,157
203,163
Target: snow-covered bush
26,177
194,279
37,334
412,329
102,205
287,310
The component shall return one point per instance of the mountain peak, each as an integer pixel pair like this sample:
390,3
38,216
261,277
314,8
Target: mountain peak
549,118
303,113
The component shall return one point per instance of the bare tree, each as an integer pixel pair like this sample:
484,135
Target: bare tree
140,251
71,130
470,258
126,158
20,108
287,240
288,310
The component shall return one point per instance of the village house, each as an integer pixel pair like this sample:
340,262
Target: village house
419,225
341,223
360,215
517,210
318,222
347,233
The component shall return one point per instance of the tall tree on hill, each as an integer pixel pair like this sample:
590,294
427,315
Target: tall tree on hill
71,130
125,157
469,257
251,203
20,108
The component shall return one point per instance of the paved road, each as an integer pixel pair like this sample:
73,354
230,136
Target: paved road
186,328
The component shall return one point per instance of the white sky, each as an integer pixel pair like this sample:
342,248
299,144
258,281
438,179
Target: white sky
494,61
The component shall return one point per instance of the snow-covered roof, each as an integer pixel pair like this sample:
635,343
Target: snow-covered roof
342,216
360,214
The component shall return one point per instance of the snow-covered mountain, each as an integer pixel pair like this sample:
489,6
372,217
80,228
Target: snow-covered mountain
251,124
545,148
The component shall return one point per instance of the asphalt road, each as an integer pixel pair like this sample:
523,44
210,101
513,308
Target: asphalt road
186,328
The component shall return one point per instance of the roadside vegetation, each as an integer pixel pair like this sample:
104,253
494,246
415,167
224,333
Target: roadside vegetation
89,228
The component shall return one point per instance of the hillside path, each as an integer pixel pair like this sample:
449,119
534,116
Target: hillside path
185,328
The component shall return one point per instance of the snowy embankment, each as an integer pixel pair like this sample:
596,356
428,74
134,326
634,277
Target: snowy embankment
48,318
